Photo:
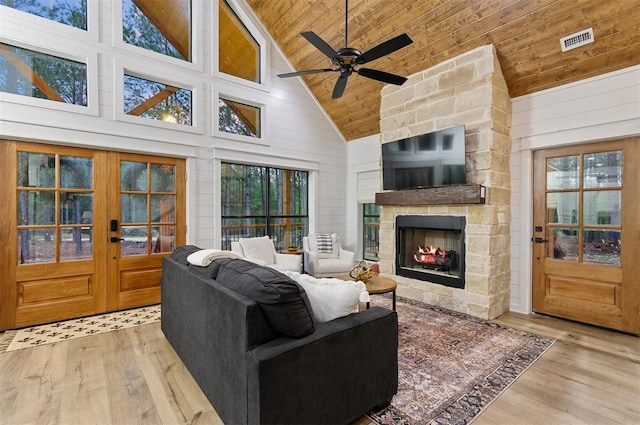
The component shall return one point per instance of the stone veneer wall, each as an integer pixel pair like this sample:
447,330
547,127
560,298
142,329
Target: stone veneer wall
469,89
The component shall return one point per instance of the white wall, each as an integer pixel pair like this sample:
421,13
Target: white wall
600,108
297,134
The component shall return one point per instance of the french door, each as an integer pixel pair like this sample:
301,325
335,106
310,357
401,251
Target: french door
84,231
586,236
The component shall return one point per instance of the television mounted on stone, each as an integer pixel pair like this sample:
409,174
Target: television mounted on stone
428,160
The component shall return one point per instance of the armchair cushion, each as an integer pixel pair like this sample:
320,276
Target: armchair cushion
260,249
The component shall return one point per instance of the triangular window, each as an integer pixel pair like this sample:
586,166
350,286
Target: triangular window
238,49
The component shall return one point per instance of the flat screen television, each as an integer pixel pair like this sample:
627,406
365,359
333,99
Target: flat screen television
428,160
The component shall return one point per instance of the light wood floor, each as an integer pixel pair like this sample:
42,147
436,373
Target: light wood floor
132,376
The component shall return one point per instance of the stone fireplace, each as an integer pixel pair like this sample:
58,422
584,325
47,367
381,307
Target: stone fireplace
467,90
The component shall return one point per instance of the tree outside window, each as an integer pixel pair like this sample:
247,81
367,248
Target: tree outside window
263,201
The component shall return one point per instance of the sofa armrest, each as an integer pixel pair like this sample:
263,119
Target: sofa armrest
345,368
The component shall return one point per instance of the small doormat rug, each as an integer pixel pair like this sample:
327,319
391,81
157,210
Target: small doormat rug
76,328
452,365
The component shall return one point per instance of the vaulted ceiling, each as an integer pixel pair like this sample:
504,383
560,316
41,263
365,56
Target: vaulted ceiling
526,34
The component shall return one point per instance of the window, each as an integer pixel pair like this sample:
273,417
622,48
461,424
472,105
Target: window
370,228
165,30
238,50
258,201
158,101
68,12
39,75
238,118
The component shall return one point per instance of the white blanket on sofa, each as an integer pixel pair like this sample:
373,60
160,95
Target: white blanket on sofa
204,257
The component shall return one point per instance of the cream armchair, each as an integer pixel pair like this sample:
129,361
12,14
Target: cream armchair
326,258
262,251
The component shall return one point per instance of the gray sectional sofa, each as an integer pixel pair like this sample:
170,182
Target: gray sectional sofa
246,334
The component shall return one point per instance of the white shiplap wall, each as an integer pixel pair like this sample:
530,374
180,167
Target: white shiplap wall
297,133
600,108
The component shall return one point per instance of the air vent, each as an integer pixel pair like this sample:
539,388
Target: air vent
576,40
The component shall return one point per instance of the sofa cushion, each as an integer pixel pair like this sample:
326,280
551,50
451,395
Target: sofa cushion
331,298
260,249
283,302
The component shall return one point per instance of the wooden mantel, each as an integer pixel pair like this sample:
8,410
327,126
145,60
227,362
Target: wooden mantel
441,195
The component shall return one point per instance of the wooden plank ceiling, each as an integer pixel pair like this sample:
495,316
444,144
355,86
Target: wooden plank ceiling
526,34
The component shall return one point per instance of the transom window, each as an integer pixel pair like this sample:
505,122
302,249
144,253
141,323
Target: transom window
165,30
238,50
263,201
238,118
34,74
158,101
68,12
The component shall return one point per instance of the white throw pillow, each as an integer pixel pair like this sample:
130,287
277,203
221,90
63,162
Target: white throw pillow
335,246
260,249
331,298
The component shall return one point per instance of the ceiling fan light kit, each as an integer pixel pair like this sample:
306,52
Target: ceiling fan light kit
348,60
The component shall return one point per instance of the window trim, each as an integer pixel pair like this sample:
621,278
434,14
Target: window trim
265,74
89,58
196,63
184,83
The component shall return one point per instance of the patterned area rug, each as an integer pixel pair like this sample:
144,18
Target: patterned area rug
452,366
77,328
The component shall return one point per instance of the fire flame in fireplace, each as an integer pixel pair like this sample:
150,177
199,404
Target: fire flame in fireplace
430,255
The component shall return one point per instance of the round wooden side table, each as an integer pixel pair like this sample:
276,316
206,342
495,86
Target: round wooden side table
377,285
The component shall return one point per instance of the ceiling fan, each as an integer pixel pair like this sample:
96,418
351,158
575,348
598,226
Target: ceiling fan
348,60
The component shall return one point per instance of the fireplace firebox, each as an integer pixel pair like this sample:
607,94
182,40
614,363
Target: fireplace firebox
431,248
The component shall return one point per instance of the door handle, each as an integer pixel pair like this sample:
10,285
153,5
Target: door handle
116,239
536,240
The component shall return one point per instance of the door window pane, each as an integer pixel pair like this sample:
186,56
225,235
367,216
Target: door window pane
602,246
133,176
562,208
36,207
36,170
133,208
75,208
75,243
157,101
602,207
36,246
135,240
68,12
76,172
163,238
603,169
33,74
163,208
164,29
562,244
163,178
563,173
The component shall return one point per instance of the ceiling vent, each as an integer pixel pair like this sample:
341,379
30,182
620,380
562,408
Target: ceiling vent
576,40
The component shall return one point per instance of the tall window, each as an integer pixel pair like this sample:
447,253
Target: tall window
370,230
258,201
68,12
165,30
34,74
238,50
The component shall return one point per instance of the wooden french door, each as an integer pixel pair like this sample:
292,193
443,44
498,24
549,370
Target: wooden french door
84,231
586,236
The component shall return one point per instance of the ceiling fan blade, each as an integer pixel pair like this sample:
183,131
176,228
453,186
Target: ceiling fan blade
310,71
341,84
320,44
385,77
385,48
